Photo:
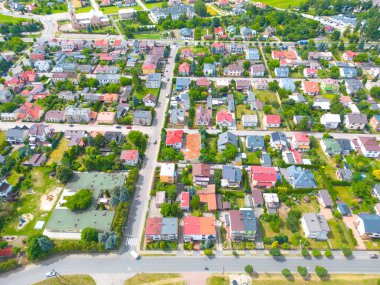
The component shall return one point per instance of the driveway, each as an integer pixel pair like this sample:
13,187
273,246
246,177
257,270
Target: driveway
327,213
349,222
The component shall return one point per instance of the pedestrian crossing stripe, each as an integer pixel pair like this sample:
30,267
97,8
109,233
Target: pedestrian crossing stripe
132,241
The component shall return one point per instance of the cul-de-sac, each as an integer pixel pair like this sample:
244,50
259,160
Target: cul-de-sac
205,142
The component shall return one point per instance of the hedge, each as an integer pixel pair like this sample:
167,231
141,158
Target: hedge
8,265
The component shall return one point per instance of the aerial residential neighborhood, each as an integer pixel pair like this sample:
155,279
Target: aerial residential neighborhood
189,142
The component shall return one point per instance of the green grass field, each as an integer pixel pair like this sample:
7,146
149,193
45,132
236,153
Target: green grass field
110,10
69,279
156,278
152,36
152,5
283,4
83,10
4,19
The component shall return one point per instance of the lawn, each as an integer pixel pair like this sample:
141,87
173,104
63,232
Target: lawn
240,111
252,158
266,96
160,278
339,236
153,36
69,279
373,244
152,5
2,139
328,96
83,10
311,207
241,202
57,154
218,280
211,10
282,4
110,10
328,168
4,19
30,203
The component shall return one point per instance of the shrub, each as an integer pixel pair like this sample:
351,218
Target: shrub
3,244
207,252
347,251
8,265
321,271
302,271
286,272
316,253
248,269
79,201
275,252
38,246
89,235
328,253
305,252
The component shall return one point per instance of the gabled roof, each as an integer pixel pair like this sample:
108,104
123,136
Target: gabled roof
263,174
174,137
201,169
231,173
129,155
371,223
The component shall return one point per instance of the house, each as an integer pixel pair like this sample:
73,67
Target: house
160,198
186,34
330,121
209,69
174,138
219,31
74,137
320,55
17,134
310,72
298,119
198,228
231,176
255,142
187,53
272,121
5,188
374,122
368,146
377,208
330,146
226,138
168,173
278,140
127,13
201,174
184,69
106,118
368,225
37,159
30,112
265,159
355,121
243,85
5,96
177,116
114,136
343,208
263,177
142,118
230,103
344,174
42,65
300,141
77,115
324,199
129,157
183,84
257,198
161,229
257,70
321,103
185,100
353,86
234,70
108,78
203,116
209,197
250,120
153,81
252,54
299,178
281,72
247,33
218,48
348,72
243,225
185,201
261,84
330,86
224,119
38,134
349,55
288,84
310,87
315,226
272,202
149,100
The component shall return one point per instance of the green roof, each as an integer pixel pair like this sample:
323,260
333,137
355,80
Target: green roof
67,221
96,181
332,146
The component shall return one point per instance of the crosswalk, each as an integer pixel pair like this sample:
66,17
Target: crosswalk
131,241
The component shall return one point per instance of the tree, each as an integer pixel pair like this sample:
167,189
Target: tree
375,92
112,241
302,271
165,209
376,173
317,253
138,139
89,234
275,251
286,272
200,8
195,202
305,252
207,252
81,200
346,251
328,253
248,269
63,173
230,152
321,271
293,220
38,246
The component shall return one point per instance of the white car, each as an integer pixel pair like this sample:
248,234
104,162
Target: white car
50,274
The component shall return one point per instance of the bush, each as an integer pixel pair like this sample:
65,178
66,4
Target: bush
302,271
79,201
248,269
38,246
3,244
8,265
275,252
321,271
286,272
89,235
316,253
305,252
328,253
207,252
346,251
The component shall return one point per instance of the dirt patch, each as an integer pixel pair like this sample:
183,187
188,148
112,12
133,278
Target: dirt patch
48,200
327,213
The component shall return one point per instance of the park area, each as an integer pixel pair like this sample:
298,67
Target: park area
4,19
282,4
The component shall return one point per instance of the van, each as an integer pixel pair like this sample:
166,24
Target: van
134,254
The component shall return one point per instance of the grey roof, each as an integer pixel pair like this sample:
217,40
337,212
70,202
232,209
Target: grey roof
281,71
376,189
316,222
345,144
231,173
343,208
154,77
255,141
183,81
227,137
257,196
142,114
357,118
17,132
266,160
2,159
169,226
298,119
278,136
346,174
371,223
173,10
325,196
249,219
186,32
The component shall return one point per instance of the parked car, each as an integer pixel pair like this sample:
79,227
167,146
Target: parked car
373,255
118,127
129,127
134,254
51,274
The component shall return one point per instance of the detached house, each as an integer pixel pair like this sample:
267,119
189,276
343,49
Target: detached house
153,81
209,69
300,141
218,48
355,121
330,121
233,70
161,229
142,118
5,188
349,55
174,139
263,177
184,69
374,122
224,119
203,116
278,140
198,228
315,226
310,72
17,134
201,174
368,146
299,178
368,225
225,139
272,121
243,225
330,146
310,87
231,176
129,157
255,142
168,173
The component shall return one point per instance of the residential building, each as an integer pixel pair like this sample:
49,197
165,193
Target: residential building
344,174
315,226
272,202
209,69
130,157
184,69
183,84
368,225
300,141
310,87
353,86
287,84
374,122
161,229
226,138
324,199
310,72
348,72
153,81
108,78
263,177
343,208
231,176
83,20
160,198
257,198
201,174
5,188
243,225
278,141
185,201
106,118
368,146
37,159
142,118
250,121
257,70
322,104
55,116
174,138
299,178
149,100
330,121
281,72
272,121
330,86
77,115
198,228
224,119
39,134
330,146
355,121
168,173
349,55
252,54
177,116
17,134
175,11
255,142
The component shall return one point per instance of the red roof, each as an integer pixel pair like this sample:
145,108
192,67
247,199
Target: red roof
273,119
351,54
223,116
153,226
284,54
6,251
173,137
185,200
184,67
29,75
101,43
203,82
262,174
218,30
218,45
311,71
369,143
301,137
187,52
104,56
117,43
29,110
37,56
129,155
198,226
311,87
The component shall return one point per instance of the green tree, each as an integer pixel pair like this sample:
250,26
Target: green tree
328,253
248,269
63,173
81,200
200,8
346,251
207,252
89,234
195,203
286,272
38,246
275,251
302,271
293,220
230,152
317,253
321,271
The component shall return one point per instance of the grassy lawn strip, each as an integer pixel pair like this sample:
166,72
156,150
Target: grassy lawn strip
282,4
57,154
69,279
147,278
4,19
153,36
83,10
152,5
110,10
211,10
339,237
218,280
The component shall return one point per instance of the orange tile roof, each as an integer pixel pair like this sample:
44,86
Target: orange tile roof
193,146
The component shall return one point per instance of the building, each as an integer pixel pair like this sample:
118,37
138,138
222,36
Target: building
149,100
77,115
252,54
153,81
224,119
250,121
106,118
5,188
127,13
374,122
300,141
201,174
231,176
324,199
129,157
330,146
330,121
255,142
203,116
161,229
368,225
288,84
272,121
257,198
185,201
355,121
225,139
344,174
299,178
198,228
175,11
343,208
353,86
263,177
278,141
368,146
168,173
310,87
55,116
315,226
174,138
281,72
184,69
272,202
209,197
83,20
39,134
17,134
243,225
142,118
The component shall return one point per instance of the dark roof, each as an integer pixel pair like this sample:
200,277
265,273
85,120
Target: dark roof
371,223
343,209
257,197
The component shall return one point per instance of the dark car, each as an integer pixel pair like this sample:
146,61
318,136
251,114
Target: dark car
129,127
